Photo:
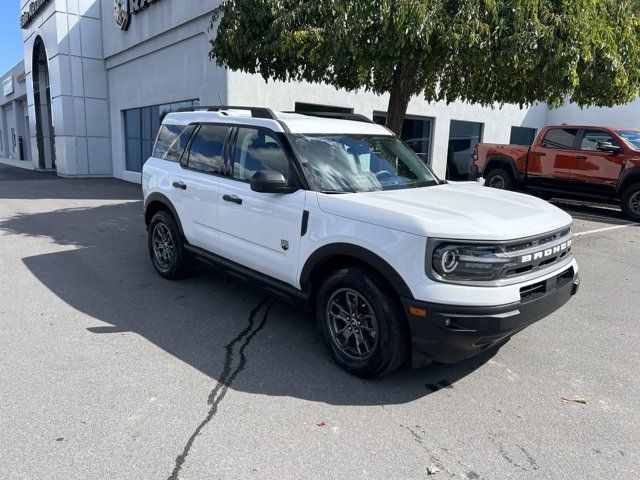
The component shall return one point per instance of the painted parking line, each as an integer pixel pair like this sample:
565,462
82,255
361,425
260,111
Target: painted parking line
598,230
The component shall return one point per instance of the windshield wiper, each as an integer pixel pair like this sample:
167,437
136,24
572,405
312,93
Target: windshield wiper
336,192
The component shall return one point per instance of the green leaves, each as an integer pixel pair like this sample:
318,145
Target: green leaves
483,51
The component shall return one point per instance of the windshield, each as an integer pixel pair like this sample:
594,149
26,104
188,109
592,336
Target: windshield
360,163
632,137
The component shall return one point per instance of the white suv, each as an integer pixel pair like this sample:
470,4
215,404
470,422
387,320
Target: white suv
340,216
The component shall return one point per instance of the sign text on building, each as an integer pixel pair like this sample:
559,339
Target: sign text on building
7,86
124,9
34,9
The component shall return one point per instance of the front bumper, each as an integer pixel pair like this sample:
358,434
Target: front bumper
451,333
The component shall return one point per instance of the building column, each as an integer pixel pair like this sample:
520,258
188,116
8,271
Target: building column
18,115
3,126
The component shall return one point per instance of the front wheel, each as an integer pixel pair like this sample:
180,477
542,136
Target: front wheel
499,178
630,202
362,325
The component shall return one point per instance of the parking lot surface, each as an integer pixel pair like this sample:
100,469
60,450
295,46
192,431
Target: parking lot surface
110,372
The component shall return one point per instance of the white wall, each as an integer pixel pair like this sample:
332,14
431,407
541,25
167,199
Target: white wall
621,116
247,89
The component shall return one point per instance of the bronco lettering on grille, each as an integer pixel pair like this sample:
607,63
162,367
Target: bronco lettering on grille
531,257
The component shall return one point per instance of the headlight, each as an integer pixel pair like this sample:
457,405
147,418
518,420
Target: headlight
469,262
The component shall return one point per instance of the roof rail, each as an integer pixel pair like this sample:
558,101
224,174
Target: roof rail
355,117
256,112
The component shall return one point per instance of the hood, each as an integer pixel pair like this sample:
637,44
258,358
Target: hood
466,211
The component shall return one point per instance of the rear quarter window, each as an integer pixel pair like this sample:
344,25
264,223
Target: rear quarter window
171,142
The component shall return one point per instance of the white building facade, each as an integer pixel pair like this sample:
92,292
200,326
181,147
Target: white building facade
100,74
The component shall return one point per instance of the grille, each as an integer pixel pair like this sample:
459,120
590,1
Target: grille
538,253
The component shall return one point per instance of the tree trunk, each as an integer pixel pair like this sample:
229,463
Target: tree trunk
401,92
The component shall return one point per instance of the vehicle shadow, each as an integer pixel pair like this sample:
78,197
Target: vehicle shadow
109,277
592,212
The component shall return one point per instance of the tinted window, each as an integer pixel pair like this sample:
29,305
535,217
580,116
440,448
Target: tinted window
257,150
141,127
206,153
560,138
591,139
522,136
172,140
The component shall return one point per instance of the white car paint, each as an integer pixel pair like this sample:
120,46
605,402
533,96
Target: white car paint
395,225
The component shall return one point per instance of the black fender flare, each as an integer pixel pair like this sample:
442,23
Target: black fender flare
499,160
160,198
359,253
626,179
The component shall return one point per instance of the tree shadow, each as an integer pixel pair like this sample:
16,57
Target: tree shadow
108,276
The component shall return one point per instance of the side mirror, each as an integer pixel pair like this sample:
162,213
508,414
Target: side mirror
608,147
270,181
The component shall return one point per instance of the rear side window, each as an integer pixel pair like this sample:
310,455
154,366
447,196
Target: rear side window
207,149
257,150
172,140
563,138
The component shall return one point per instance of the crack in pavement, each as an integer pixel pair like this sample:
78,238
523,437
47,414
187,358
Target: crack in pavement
228,376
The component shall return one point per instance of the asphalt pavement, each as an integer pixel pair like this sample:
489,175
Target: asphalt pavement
108,371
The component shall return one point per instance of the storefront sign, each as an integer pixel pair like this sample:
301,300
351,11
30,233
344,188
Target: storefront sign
34,9
7,86
124,9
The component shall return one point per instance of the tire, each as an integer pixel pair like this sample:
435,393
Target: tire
164,229
388,345
499,178
630,202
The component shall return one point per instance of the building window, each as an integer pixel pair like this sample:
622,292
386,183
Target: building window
313,108
523,136
463,139
416,132
141,127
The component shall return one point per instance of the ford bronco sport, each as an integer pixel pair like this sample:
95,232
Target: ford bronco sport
340,216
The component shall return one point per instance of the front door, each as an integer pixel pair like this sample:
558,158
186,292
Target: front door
595,170
260,230
550,162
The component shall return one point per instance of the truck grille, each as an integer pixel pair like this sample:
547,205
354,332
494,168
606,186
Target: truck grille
538,252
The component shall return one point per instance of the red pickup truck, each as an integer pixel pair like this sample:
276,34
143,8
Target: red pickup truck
600,163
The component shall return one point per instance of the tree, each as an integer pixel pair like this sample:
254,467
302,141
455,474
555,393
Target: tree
483,51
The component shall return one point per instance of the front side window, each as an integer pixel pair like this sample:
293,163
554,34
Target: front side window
591,138
172,140
563,138
257,150
360,163
632,137
207,149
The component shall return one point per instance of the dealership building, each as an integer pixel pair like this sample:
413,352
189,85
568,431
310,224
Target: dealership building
98,76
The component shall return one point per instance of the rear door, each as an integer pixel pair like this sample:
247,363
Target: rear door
551,160
595,170
261,231
202,169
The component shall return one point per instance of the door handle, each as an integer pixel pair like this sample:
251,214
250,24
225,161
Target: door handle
540,154
581,157
232,199
179,185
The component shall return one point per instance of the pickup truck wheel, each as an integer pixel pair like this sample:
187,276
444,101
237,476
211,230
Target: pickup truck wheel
361,325
630,202
499,178
166,247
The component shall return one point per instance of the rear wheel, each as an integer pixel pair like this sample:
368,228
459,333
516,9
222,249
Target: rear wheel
362,326
630,202
499,178
166,247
